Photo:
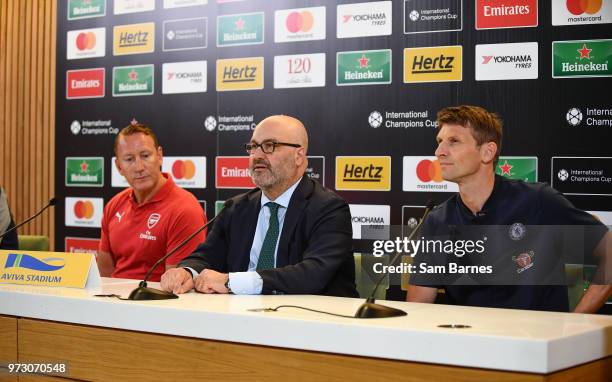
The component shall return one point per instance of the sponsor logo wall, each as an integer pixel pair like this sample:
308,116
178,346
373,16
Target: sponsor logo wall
582,58
184,77
83,212
515,61
371,220
187,172
86,43
133,80
521,168
363,173
233,172
300,24
241,29
185,34
368,67
425,174
582,175
493,14
589,117
364,19
240,74
433,64
204,73
84,172
83,9
133,39
81,245
85,83
424,16
299,71
580,12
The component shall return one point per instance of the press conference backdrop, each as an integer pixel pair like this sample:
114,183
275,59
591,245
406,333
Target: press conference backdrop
366,78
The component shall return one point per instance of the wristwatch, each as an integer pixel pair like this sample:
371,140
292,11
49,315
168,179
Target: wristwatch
227,286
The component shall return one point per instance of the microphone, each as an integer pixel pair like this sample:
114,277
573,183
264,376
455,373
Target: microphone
145,293
50,203
370,309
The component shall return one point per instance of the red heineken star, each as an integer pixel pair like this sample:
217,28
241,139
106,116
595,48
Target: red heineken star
506,168
240,24
84,166
364,61
585,52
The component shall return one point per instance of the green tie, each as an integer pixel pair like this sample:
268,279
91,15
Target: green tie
266,256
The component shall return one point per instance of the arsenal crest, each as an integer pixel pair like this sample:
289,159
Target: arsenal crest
153,219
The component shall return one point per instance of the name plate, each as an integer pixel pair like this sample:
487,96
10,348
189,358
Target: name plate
76,270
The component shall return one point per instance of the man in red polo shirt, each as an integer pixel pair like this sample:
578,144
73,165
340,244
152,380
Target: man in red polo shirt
151,217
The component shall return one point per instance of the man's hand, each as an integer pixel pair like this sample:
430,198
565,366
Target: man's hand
177,280
210,281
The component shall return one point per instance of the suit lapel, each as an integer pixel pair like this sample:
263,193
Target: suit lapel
299,201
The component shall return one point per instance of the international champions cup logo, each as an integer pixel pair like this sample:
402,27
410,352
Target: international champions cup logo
15,260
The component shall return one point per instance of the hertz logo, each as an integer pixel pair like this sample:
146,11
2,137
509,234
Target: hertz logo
139,38
441,64
433,64
371,173
244,73
134,39
363,173
240,74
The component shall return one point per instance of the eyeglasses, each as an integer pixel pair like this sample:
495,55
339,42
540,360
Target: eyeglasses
267,146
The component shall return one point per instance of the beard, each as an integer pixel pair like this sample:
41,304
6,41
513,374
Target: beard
270,177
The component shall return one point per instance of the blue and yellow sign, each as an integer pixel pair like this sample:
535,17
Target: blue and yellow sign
45,268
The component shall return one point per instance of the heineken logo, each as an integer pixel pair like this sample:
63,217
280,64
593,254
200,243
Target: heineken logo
84,172
521,168
242,29
589,58
364,68
133,80
81,9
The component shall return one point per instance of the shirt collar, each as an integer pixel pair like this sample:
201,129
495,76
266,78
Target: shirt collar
489,203
284,198
159,195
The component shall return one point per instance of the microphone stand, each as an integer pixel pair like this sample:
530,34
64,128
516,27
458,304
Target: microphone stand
145,293
50,203
369,309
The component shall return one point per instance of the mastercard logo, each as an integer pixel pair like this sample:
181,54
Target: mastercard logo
86,41
429,170
578,7
183,169
299,22
83,209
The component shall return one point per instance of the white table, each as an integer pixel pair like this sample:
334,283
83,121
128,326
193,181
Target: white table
501,339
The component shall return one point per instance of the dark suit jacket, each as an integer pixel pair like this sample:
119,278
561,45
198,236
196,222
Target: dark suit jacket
314,253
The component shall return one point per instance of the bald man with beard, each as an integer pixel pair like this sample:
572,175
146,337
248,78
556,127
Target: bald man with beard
287,236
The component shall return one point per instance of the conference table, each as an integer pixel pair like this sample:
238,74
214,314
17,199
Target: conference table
227,337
